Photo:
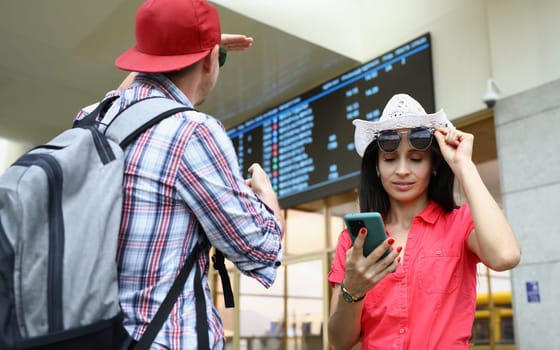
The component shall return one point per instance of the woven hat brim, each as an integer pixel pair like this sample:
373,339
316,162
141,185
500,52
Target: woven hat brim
366,131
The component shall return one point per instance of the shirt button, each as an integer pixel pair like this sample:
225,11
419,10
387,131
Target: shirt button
402,330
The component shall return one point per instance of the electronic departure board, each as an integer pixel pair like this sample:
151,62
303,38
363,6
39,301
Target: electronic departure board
306,145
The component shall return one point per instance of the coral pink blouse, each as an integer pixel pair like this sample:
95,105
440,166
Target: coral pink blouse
429,301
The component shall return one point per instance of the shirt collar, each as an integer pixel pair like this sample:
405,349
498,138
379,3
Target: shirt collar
431,213
163,83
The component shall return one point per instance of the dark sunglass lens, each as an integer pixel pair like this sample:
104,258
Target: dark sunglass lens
389,141
222,56
420,139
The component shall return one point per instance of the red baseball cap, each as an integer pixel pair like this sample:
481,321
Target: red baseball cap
171,35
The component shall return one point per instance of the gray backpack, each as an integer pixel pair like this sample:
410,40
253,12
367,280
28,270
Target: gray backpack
60,212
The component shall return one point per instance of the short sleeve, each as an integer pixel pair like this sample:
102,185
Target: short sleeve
338,266
463,218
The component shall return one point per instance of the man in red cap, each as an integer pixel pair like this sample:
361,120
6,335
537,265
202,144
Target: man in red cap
182,182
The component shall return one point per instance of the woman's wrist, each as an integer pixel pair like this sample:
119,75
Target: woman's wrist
348,296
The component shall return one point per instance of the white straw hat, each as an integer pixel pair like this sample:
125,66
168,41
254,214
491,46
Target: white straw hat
401,112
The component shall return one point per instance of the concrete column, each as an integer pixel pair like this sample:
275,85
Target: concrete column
528,143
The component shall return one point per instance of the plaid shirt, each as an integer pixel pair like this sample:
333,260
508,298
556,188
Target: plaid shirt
180,174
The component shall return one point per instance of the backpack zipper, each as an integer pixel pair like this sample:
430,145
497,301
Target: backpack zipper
11,331
56,234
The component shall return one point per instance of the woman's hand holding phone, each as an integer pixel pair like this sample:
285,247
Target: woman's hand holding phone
363,273
379,252
371,221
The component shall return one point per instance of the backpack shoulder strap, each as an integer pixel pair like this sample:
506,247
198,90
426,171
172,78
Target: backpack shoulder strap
100,109
165,308
139,117
219,265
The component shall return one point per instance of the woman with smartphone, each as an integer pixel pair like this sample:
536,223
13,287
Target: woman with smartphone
422,295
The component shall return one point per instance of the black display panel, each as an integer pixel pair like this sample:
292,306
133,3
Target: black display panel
306,144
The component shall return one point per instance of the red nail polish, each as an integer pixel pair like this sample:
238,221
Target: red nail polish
399,249
362,231
391,241
399,259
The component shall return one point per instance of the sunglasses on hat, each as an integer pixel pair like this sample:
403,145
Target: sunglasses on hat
420,139
222,55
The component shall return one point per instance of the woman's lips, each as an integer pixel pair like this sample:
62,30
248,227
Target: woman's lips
403,185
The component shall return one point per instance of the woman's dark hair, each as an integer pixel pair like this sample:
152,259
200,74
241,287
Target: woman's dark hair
373,196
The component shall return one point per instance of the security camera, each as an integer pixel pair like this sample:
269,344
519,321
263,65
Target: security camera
491,94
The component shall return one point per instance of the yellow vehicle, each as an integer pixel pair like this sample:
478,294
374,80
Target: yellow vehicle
493,323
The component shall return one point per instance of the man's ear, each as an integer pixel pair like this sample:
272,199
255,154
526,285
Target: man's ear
209,60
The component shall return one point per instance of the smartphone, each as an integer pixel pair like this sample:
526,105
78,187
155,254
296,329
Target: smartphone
373,222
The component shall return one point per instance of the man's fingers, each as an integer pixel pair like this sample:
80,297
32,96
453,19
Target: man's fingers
236,42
